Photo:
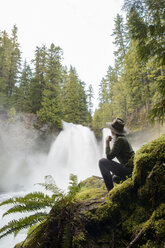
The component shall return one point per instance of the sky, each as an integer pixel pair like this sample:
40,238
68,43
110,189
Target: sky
82,28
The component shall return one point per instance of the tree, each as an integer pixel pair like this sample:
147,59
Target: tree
38,81
121,42
111,78
9,67
133,79
90,97
75,104
146,22
51,106
84,115
15,62
5,47
119,100
103,92
23,90
106,93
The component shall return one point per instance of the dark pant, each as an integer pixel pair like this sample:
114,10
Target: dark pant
119,172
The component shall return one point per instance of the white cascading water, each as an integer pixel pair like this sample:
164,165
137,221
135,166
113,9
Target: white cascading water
75,150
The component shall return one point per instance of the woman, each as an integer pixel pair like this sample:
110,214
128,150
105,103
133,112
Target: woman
122,150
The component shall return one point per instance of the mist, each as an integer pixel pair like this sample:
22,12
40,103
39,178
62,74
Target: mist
21,152
25,159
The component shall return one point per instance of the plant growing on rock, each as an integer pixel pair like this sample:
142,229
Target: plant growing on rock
35,203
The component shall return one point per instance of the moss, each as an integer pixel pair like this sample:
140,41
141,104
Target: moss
124,193
19,245
160,228
92,188
132,223
90,194
78,240
153,192
146,158
93,182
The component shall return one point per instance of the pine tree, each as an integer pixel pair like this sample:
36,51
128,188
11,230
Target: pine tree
119,100
133,78
146,22
90,97
5,48
15,62
23,90
51,106
111,78
75,104
38,81
121,42
9,68
84,115
103,92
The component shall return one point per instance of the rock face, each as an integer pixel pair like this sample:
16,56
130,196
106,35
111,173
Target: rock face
133,215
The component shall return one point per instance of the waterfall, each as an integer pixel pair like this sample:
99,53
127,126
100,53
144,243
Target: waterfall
76,151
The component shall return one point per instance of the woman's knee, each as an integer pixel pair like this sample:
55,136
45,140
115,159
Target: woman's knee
102,162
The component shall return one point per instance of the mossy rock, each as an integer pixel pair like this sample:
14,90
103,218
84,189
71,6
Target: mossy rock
92,188
133,209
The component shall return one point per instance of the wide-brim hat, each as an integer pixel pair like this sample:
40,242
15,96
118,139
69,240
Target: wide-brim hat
117,126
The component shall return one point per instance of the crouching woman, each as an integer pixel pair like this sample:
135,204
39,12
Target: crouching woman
113,171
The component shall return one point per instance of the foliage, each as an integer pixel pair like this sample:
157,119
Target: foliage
121,41
90,97
136,91
37,201
9,68
146,25
50,110
45,88
75,100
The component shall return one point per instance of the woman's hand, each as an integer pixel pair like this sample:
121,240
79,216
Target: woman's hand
108,139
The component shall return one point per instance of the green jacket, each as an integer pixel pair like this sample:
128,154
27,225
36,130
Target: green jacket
122,150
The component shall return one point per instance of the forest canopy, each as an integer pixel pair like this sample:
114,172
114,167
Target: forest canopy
46,87
133,89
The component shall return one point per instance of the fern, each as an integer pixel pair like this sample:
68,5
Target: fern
15,226
51,186
73,187
36,201
35,196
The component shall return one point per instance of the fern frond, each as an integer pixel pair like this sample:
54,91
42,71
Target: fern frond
51,185
23,199
36,201
15,226
74,187
29,207
31,197
35,196
9,201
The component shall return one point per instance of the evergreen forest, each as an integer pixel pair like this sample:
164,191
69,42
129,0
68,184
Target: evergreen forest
134,89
